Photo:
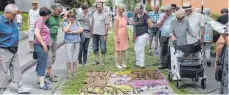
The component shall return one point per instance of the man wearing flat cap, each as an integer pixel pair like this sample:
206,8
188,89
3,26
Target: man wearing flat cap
164,24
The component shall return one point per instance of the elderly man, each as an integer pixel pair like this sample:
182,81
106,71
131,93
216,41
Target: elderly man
164,25
33,16
208,36
9,38
196,21
154,32
99,32
53,23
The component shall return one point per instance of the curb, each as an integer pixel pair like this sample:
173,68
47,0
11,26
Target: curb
32,62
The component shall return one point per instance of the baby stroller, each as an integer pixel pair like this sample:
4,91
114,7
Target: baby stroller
182,67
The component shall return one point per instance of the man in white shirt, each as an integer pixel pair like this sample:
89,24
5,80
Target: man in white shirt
33,16
196,21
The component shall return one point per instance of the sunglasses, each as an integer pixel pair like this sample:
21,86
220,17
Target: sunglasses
180,18
14,14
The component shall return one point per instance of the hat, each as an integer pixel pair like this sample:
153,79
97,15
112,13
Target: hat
187,6
167,7
35,1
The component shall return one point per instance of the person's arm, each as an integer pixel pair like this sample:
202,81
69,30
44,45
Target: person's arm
28,21
150,24
161,20
219,47
106,25
67,27
92,24
171,32
116,28
190,32
202,26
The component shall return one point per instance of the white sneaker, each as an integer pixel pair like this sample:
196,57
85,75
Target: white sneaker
7,92
118,66
24,89
123,65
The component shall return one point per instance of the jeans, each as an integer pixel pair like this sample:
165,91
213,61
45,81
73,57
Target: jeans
165,51
42,59
83,50
99,40
140,49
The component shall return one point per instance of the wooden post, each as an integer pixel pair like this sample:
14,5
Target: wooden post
202,6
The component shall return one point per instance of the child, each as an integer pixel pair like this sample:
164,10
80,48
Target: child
19,19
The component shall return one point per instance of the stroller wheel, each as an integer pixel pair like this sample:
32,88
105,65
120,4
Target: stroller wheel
170,77
203,83
178,84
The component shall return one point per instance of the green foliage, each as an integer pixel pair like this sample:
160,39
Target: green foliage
76,3
148,7
130,4
109,3
215,16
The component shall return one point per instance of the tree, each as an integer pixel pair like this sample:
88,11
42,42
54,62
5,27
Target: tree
130,4
109,3
75,3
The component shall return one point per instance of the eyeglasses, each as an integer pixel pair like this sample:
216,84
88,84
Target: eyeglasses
14,14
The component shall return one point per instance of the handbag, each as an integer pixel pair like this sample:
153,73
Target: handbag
13,49
219,71
34,55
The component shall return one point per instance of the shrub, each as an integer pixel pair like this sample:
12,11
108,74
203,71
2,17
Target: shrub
215,16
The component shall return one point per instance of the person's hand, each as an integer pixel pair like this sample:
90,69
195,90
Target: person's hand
118,39
45,48
134,38
80,30
135,23
173,38
105,38
164,17
201,40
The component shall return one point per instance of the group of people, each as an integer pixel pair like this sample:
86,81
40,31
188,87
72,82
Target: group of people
181,25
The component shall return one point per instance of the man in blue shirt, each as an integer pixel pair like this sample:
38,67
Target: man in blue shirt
164,25
9,38
154,32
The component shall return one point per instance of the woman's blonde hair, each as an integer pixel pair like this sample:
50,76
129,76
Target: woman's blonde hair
71,13
121,6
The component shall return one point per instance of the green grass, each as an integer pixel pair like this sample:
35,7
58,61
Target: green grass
24,21
73,85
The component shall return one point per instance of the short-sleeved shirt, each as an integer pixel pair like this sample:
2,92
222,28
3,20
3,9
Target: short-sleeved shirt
100,20
141,27
223,19
85,24
9,34
154,17
44,32
33,16
166,25
208,36
72,38
53,23
196,21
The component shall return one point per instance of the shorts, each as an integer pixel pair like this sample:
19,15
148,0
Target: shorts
31,34
152,33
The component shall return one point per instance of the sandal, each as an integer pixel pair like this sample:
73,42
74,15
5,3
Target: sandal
46,83
45,87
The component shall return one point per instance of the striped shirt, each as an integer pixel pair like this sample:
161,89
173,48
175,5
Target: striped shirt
208,36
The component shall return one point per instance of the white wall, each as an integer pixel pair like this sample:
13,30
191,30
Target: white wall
25,5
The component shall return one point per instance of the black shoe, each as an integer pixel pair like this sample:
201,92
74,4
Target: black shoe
80,62
209,63
162,67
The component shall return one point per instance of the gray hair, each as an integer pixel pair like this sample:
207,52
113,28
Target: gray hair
156,6
207,11
56,6
10,8
139,6
121,6
198,10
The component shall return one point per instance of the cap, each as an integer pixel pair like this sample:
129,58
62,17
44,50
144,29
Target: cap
187,6
35,1
167,7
